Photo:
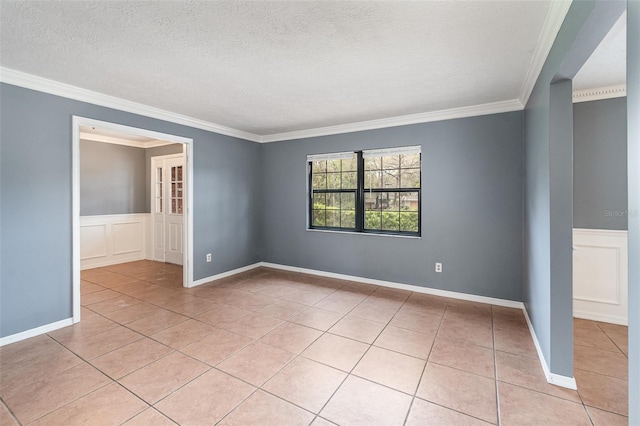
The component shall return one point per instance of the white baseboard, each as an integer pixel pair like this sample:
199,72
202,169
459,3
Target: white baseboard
226,274
35,331
600,317
409,287
552,378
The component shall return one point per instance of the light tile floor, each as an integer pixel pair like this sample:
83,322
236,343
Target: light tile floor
275,348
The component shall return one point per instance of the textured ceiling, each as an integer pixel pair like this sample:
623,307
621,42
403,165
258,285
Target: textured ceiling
272,67
607,66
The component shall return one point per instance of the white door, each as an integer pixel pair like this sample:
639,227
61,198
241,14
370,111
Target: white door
168,201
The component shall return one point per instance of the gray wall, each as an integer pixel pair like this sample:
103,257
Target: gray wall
35,194
174,148
600,164
472,171
548,183
633,162
112,179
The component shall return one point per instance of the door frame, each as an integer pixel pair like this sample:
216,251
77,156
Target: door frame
78,121
152,194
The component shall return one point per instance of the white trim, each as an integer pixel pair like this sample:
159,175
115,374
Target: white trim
390,284
226,274
85,136
403,120
29,81
363,233
36,331
613,319
403,150
552,378
331,156
552,23
587,95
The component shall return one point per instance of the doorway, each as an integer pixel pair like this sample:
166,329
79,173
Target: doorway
185,236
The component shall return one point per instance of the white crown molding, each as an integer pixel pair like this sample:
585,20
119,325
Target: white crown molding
552,23
586,95
29,81
117,141
403,120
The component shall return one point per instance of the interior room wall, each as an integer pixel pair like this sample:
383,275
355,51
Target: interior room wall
35,194
600,164
112,179
472,179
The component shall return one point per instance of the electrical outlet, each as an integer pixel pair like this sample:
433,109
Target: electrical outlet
438,267
208,257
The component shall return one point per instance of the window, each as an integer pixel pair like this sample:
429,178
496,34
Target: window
375,191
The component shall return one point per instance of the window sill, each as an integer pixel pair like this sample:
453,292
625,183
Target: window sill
412,237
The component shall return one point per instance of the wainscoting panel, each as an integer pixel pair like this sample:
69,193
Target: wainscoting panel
112,239
600,275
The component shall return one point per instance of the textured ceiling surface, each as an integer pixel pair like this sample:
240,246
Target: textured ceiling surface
271,67
607,66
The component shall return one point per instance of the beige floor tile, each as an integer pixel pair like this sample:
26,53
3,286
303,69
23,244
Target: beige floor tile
267,410
358,329
305,383
398,371
361,402
256,364
217,346
613,328
405,341
33,400
426,304
149,417
479,313
340,302
160,378
158,321
253,302
621,340
425,413
604,392
92,346
528,373
605,418
466,332
319,421
461,391
463,356
317,318
507,318
282,309
515,341
416,321
374,312
593,339
601,362
87,288
89,325
98,296
362,288
29,350
108,405
194,307
305,297
183,333
131,313
291,337
223,315
253,325
385,295
116,303
6,418
205,400
336,351
520,406
129,358
581,323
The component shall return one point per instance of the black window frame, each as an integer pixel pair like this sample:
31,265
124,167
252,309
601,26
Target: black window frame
360,201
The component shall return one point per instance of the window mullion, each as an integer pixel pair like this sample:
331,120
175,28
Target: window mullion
360,193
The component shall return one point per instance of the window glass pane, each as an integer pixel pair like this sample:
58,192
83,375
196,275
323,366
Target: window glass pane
410,161
390,221
391,162
333,180
349,180
373,163
334,165
390,178
409,221
373,179
180,173
319,166
350,165
333,218
348,219
333,200
318,218
348,201
372,220
319,181
410,178
409,201
319,201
